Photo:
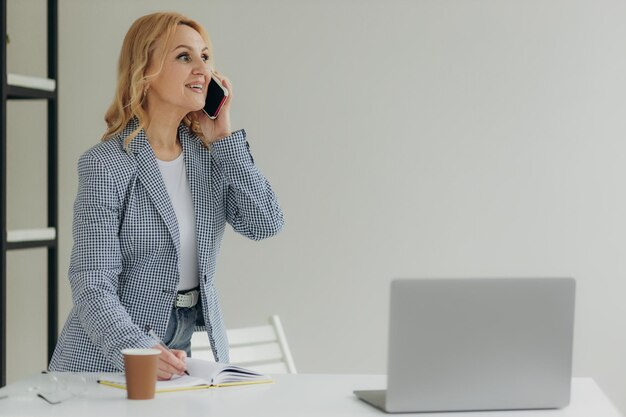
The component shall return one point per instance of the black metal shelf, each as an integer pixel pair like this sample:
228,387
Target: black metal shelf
14,92
29,244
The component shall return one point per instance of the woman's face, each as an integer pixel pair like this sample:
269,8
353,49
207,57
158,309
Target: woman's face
181,84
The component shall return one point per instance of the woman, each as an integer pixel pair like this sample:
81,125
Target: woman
152,203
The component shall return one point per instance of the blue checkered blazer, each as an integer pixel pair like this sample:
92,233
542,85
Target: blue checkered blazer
124,267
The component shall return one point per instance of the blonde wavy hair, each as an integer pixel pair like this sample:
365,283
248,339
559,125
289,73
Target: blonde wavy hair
136,54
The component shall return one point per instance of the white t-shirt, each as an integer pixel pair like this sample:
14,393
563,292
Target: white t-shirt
177,185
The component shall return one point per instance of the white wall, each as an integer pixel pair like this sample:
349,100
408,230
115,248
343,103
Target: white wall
403,138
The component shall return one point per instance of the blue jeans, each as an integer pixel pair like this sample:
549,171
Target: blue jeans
181,327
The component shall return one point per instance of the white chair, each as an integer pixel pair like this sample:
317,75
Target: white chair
260,348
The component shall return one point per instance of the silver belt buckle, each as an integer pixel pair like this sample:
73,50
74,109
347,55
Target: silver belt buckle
187,300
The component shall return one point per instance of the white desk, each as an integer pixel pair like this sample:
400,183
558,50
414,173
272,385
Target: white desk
290,395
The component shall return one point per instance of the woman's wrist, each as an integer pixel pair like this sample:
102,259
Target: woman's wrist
221,136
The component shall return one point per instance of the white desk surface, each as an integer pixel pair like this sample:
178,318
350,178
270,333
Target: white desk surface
290,395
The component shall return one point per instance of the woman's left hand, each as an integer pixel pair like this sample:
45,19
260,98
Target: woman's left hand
214,130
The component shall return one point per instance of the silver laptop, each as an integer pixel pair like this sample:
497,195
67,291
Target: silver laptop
478,344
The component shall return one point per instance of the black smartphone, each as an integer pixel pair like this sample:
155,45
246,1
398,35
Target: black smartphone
215,98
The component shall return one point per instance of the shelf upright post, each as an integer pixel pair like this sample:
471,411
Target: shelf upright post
53,105
3,196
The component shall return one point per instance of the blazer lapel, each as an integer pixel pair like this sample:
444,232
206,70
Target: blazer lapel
198,166
150,176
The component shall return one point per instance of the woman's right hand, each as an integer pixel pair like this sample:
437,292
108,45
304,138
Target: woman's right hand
170,362
214,130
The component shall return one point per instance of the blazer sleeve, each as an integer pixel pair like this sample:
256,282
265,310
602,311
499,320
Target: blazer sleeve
251,206
96,263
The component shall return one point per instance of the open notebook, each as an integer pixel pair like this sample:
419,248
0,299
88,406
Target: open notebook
202,374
